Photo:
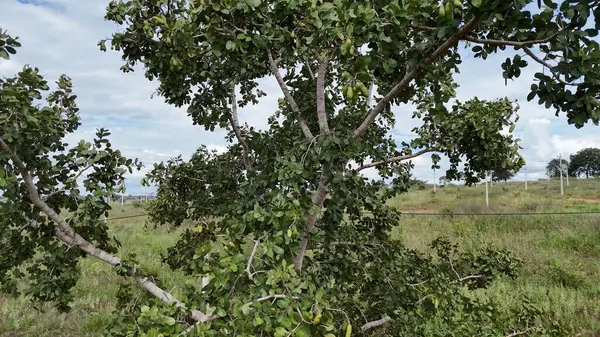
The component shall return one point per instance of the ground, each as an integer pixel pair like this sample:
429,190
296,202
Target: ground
560,253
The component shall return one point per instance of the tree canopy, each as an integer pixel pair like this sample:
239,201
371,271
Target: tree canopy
292,238
585,162
503,174
555,166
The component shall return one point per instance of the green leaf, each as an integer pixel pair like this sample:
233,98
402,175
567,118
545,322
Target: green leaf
246,309
253,3
476,3
230,45
168,321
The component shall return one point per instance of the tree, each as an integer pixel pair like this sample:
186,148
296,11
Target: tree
586,161
503,174
554,167
297,237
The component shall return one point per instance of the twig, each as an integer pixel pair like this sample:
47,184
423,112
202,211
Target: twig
469,277
270,297
64,189
549,66
454,270
461,279
294,329
417,284
518,333
395,159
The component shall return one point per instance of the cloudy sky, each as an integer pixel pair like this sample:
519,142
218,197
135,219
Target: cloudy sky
60,36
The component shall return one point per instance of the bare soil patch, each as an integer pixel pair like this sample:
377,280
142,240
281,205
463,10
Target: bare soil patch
589,200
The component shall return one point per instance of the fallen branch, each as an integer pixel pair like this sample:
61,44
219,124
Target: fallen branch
65,233
373,324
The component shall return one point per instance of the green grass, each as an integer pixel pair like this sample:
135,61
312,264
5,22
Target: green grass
561,254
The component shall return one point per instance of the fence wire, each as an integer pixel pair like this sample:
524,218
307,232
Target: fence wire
435,214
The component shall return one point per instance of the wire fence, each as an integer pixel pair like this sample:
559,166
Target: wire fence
436,214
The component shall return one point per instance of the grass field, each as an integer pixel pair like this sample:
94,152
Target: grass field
561,253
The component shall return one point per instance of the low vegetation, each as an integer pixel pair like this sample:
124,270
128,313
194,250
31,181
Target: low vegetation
560,254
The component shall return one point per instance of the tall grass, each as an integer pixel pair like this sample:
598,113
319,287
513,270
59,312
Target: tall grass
561,254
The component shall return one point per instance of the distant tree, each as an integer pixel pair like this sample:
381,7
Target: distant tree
417,183
503,174
586,161
443,181
553,167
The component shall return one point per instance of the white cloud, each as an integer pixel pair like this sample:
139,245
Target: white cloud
60,36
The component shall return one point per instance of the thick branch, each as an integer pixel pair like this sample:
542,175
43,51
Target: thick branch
235,124
412,74
66,234
395,159
373,324
288,97
321,112
317,199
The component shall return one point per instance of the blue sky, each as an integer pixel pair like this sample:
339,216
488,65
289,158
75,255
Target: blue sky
60,36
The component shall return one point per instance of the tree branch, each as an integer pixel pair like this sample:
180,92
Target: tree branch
518,333
235,124
370,94
64,189
373,324
396,159
321,112
288,96
317,199
412,74
65,233
249,264
547,65
518,44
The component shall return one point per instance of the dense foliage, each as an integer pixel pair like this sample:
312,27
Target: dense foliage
291,238
502,174
585,162
556,167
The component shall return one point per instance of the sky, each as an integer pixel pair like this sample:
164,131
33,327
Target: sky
60,37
